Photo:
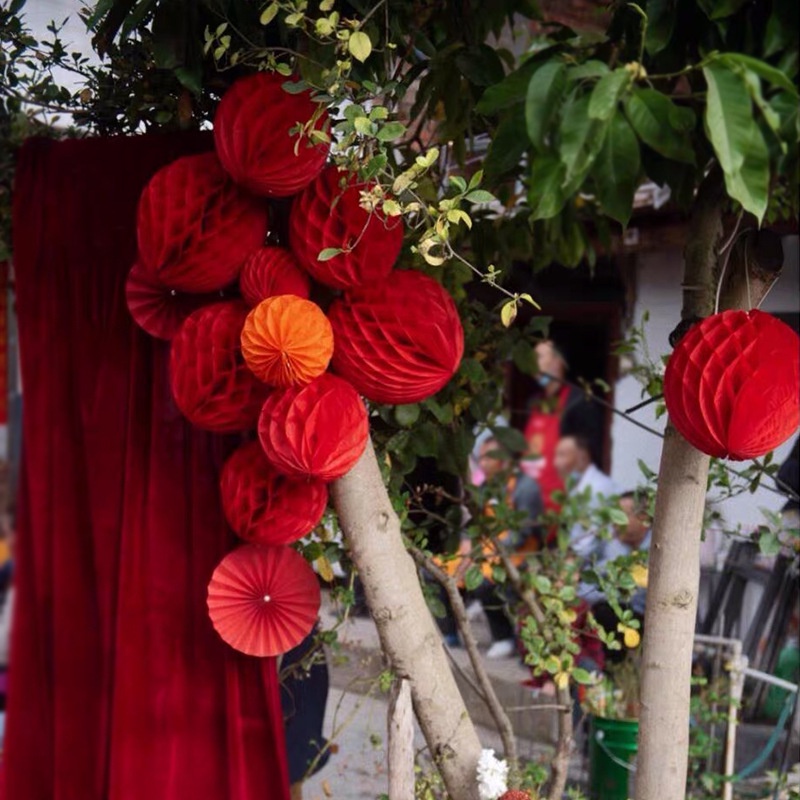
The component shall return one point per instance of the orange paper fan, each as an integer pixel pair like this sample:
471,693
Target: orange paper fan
263,600
287,341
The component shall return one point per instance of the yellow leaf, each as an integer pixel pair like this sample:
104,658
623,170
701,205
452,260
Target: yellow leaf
508,313
630,636
562,680
268,14
639,575
359,45
528,299
324,568
392,208
326,5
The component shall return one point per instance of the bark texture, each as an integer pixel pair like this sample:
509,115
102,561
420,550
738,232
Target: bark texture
674,573
401,742
408,635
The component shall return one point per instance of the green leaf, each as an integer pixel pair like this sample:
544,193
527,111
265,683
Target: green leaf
480,196
766,71
616,170
328,253
542,100
719,9
607,92
660,24
580,675
391,131
652,116
473,578
269,13
581,138
510,91
769,544
545,194
359,45
510,438
589,69
480,65
750,184
406,415
508,146
618,517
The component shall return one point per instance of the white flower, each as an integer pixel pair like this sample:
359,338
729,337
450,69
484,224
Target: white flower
492,776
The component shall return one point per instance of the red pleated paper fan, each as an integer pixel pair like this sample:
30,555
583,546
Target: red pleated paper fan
399,341
263,600
195,228
261,505
328,214
271,271
317,431
731,385
157,309
252,134
211,384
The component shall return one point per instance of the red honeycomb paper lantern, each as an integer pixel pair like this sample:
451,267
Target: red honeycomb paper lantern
253,140
157,309
731,385
399,341
195,227
326,215
211,384
261,505
271,271
315,431
287,340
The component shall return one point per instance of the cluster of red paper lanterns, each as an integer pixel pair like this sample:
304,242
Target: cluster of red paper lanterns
252,352
732,384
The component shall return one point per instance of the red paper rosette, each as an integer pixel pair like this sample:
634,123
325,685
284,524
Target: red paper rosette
326,215
261,505
251,134
731,384
194,227
399,341
318,431
157,309
271,271
211,384
263,600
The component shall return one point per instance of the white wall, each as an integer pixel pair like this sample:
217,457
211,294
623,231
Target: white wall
658,291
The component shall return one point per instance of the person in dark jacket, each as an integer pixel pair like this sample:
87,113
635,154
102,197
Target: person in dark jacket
788,478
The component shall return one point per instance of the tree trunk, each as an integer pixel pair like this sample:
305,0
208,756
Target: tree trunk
408,635
401,742
674,574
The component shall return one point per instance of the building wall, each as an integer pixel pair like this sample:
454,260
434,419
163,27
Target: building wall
658,291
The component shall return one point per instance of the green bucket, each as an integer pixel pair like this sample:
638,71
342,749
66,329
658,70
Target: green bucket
612,750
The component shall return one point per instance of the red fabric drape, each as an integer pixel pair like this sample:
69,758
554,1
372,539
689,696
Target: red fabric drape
119,687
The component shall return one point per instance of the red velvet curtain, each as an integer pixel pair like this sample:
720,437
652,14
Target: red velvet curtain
119,687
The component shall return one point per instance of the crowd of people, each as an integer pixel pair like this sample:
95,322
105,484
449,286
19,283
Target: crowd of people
562,467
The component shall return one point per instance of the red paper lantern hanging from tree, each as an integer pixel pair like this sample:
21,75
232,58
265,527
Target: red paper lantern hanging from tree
317,431
263,600
328,215
399,341
253,139
195,228
287,340
157,309
261,505
271,271
211,384
731,385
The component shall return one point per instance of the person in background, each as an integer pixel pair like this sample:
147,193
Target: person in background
523,495
634,537
558,410
7,531
573,462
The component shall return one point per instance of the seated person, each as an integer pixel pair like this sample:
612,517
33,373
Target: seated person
523,495
635,536
573,460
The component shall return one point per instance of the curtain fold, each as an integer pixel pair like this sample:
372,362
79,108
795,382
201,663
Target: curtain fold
119,687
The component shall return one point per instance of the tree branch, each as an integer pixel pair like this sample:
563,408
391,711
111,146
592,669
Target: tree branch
560,762
488,693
